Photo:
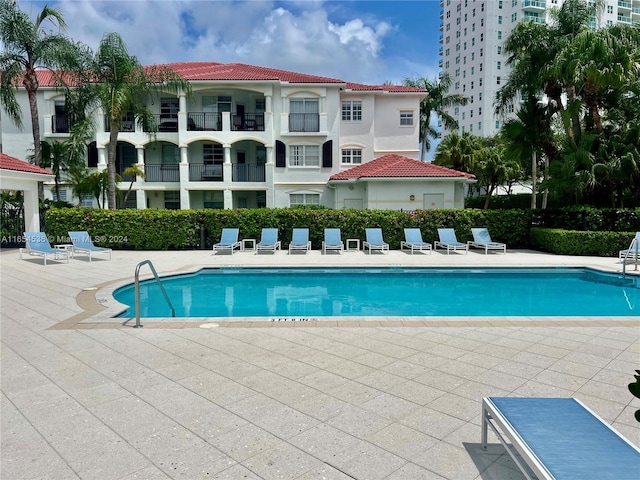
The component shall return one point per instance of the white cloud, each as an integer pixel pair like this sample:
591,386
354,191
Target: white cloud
297,36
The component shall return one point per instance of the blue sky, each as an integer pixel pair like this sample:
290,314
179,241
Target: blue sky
360,41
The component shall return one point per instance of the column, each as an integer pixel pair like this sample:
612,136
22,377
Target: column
141,194
185,202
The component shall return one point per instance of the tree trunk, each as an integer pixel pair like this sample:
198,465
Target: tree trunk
111,164
30,83
534,178
545,194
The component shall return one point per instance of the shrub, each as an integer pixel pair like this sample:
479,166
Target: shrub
180,229
573,242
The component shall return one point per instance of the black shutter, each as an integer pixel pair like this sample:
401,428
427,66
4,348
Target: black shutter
327,154
281,154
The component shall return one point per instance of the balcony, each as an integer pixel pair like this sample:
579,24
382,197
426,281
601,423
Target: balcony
535,5
533,17
248,173
61,124
304,122
199,172
162,173
247,122
166,123
128,126
624,5
204,121
624,19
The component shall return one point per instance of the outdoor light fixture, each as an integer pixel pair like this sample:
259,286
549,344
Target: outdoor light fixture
412,197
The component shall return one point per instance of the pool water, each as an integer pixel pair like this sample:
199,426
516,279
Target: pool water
344,292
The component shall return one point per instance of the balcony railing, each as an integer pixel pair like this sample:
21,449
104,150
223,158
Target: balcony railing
242,172
624,5
199,172
304,122
624,19
247,122
535,4
61,124
127,126
166,123
162,173
197,121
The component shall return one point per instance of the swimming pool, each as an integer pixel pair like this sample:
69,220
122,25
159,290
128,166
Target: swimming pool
387,291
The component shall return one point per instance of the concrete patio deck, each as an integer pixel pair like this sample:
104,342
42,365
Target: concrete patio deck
84,396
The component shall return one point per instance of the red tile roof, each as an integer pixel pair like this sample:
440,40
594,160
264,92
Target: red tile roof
397,166
12,163
194,71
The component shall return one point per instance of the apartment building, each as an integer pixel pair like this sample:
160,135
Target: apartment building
472,33
246,137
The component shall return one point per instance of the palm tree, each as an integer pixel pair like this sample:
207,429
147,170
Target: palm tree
492,168
437,101
456,151
60,158
135,172
28,46
117,83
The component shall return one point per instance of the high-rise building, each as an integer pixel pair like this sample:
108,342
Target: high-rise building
472,33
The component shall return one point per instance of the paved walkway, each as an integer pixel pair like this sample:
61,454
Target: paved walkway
84,396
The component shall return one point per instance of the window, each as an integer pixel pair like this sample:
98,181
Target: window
172,200
304,115
482,22
351,110
473,70
472,87
514,3
213,199
170,154
480,94
498,65
352,156
498,80
499,50
406,117
169,108
463,115
482,37
304,199
261,105
304,156
500,4
86,200
499,34
479,110
482,7
480,67
497,124
480,126
499,19
481,51
212,154
609,8
480,81
514,18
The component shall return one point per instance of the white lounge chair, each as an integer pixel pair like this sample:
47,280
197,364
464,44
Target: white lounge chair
413,241
633,252
228,241
448,240
332,240
374,241
37,243
269,241
559,439
300,240
82,244
482,239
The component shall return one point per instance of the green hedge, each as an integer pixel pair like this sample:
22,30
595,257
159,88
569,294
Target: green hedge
180,229
589,219
574,242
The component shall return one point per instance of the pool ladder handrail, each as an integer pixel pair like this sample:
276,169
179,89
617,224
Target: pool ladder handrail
635,245
137,291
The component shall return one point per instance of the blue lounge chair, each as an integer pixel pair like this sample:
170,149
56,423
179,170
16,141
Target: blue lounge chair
82,244
37,243
633,252
332,240
448,240
413,240
268,241
300,240
374,240
482,239
559,439
228,241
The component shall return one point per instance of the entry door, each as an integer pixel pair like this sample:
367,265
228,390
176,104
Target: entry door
433,201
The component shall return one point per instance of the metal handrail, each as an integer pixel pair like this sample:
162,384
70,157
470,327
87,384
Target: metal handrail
137,291
626,256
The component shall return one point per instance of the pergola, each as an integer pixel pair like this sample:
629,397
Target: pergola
16,174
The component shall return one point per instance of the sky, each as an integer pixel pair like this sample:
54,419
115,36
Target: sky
359,41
